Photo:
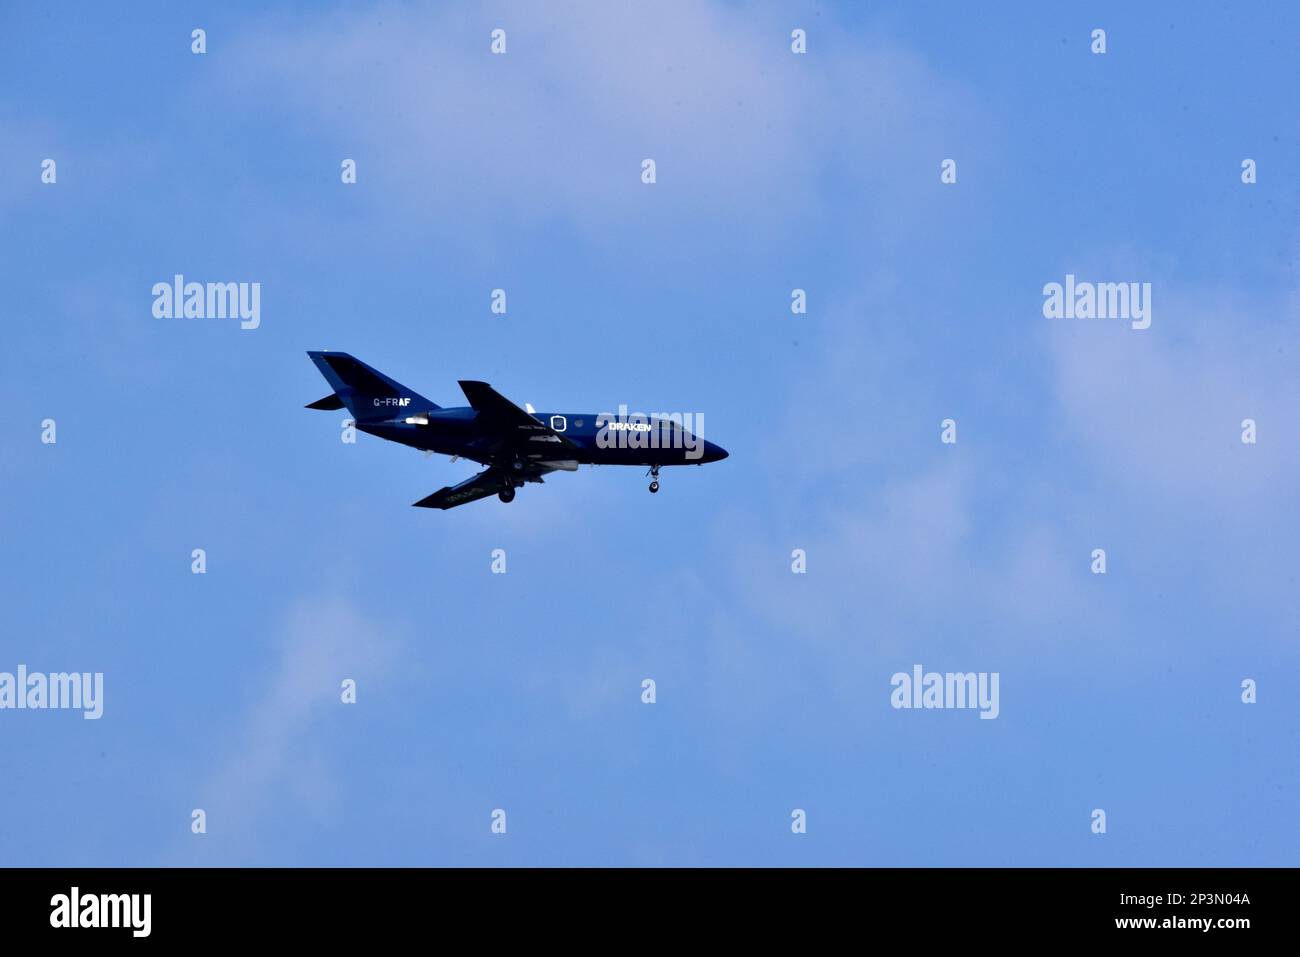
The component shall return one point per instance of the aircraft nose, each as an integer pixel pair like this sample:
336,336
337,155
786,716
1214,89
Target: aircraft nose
714,452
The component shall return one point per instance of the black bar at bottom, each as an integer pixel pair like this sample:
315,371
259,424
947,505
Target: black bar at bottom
330,906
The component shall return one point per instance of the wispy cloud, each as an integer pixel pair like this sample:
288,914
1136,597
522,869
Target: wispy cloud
321,641
558,126
1161,412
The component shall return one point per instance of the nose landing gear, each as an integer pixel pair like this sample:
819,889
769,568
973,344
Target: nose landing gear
506,494
654,478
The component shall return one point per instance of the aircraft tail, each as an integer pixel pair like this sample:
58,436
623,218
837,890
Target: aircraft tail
367,393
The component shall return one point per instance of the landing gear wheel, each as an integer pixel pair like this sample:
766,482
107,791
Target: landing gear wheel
654,478
506,495
654,486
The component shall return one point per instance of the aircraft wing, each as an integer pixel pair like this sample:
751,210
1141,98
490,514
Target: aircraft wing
488,482
516,427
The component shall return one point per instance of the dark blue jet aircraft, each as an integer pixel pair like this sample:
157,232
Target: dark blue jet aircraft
517,446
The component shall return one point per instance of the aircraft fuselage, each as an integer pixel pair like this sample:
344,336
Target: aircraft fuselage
596,439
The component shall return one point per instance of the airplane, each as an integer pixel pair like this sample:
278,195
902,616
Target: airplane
517,445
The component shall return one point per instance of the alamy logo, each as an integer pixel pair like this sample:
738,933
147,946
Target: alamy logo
179,299
1100,300
659,430
102,910
949,690
60,690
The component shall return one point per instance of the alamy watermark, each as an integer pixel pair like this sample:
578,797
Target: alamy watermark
930,689
658,430
179,299
1098,300
79,691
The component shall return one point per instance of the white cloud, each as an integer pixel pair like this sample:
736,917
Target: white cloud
558,126
1160,411
321,642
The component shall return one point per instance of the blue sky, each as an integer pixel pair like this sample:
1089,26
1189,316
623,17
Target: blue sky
775,171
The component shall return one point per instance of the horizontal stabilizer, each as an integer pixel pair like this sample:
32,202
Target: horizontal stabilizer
327,404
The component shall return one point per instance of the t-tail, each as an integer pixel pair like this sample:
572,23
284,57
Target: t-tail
365,392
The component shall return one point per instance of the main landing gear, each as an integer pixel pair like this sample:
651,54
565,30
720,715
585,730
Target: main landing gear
507,494
654,478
